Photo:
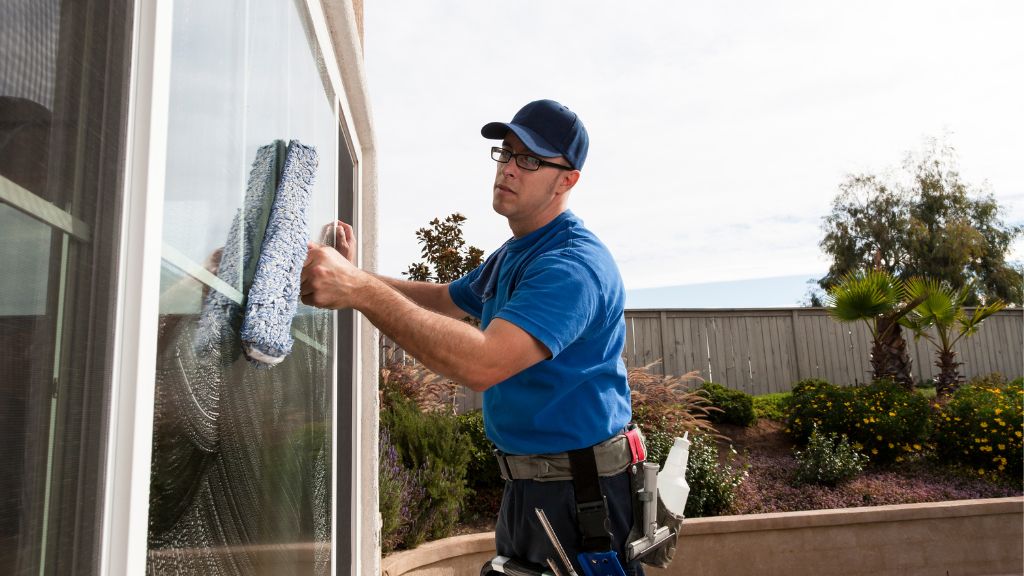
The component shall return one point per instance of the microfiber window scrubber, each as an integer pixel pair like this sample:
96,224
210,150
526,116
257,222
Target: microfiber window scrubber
221,318
274,295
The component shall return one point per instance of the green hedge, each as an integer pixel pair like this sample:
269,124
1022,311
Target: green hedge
772,406
483,468
737,406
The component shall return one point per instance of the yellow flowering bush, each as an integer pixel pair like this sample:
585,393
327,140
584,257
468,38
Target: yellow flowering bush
982,427
884,421
814,403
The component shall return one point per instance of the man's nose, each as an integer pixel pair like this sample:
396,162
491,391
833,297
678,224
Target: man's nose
510,168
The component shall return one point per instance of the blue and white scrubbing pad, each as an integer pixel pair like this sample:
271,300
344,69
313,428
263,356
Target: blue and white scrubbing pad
274,295
217,333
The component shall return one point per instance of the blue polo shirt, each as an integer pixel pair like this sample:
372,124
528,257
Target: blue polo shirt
560,284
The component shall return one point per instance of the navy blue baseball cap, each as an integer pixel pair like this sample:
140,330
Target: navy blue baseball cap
548,129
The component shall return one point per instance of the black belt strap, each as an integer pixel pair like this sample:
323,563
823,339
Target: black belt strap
591,504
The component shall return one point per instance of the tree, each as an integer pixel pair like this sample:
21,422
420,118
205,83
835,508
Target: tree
925,222
445,253
880,300
942,307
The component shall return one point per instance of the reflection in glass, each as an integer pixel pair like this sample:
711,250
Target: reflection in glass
241,473
63,106
24,257
241,459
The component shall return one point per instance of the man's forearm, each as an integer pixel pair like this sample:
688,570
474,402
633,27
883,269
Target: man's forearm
427,294
443,344
472,357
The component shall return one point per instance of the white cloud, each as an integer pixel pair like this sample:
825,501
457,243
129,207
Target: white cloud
720,131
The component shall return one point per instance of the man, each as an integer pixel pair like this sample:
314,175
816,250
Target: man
548,351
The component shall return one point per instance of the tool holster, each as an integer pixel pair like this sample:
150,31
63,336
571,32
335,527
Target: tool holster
652,539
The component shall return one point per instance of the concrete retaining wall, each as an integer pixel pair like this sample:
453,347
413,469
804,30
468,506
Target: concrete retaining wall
958,538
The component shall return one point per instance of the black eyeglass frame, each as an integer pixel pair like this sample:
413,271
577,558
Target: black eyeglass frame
498,151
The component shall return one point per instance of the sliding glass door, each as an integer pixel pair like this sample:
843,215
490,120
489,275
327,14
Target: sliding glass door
63,104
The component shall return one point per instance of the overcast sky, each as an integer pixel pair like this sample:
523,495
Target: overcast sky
720,131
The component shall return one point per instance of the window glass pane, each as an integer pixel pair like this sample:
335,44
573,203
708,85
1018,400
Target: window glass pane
241,476
63,106
24,257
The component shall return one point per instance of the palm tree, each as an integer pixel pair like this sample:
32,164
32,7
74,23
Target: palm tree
880,300
942,307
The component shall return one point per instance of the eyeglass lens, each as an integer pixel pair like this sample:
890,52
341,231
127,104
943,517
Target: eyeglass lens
524,161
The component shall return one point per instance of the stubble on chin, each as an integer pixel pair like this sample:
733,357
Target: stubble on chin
497,205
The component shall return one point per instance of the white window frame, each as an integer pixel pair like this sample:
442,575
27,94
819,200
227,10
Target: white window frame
129,441
336,30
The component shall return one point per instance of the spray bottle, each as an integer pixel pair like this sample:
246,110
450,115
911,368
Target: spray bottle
672,486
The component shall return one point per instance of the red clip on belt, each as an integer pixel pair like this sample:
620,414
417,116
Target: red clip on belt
636,445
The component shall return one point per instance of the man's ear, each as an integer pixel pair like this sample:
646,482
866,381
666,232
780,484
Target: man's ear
569,179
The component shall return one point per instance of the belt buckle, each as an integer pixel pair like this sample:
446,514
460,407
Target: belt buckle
592,519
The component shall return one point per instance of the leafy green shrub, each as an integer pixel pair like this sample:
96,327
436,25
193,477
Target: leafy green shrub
981,426
430,444
772,406
482,471
883,420
737,406
829,459
928,392
712,485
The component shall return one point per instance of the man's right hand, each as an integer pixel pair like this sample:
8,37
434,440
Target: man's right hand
329,280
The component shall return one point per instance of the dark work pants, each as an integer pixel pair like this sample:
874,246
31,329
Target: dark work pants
519,533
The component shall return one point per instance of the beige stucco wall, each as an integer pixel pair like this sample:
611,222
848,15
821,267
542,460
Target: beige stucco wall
966,537
956,538
357,9
344,19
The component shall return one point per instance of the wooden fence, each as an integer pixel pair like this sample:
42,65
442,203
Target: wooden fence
765,350
761,351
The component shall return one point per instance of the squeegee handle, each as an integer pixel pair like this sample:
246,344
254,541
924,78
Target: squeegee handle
513,567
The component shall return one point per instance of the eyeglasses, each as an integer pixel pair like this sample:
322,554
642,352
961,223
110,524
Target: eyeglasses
524,161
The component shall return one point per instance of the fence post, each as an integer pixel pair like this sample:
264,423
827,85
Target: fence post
663,325
796,348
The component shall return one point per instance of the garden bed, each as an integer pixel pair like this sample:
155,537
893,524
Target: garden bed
767,450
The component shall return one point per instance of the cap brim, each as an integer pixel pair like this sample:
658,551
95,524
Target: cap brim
530,139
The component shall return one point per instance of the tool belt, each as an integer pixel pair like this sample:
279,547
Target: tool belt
612,457
624,451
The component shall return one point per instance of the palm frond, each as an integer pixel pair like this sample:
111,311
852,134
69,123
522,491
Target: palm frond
862,296
939,303
918,326
970,325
